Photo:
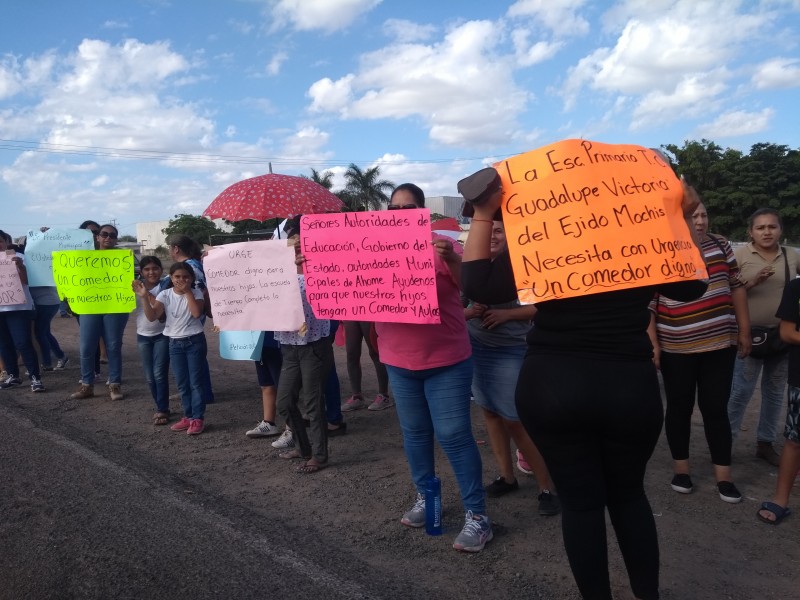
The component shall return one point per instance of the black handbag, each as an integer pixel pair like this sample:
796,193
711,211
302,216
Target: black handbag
766,342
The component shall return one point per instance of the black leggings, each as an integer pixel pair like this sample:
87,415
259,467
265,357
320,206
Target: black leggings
354,333
596,423
709,375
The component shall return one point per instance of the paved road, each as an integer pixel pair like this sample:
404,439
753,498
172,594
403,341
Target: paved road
81,522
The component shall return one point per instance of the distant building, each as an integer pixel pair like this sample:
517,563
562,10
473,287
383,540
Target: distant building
449,206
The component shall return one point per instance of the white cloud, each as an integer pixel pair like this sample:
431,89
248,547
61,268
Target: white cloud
460,87
28,76
99,67
243,27
105,96
692,97
528,54
10,77
778,73
331,96
307,143
671,60
408,31
435,179
736,123
115,25
324,15
561,17
274,65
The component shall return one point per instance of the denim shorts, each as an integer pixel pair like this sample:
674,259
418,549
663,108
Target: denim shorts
494,378
792,430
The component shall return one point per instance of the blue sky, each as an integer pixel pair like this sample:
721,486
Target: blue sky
142,109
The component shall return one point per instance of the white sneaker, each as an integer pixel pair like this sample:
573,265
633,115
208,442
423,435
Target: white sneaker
38,386
263,429
416,516
285,441
381,402
477,531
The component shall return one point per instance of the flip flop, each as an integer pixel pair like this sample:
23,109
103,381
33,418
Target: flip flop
776,509
160,418
290,454
309,467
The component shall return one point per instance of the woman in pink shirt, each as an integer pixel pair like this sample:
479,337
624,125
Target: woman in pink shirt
430,371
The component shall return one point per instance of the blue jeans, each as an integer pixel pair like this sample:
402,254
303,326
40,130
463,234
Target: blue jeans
154,353
436,402
773,386
48,344
187,357
111,327
15,336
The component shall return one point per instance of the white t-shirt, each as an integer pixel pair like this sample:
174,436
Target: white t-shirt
180,322
145,326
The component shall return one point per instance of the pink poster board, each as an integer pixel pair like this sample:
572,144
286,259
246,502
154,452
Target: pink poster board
371,266
10,285
254,286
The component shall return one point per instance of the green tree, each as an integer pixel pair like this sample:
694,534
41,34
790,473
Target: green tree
364,190
249,225
324,179
733,184
127,238
199,229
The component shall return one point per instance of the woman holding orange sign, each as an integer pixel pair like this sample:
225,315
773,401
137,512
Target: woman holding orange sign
588,396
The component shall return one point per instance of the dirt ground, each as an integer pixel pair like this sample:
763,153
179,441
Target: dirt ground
709,549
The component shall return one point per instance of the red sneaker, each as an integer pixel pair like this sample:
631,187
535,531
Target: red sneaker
182,425
195,427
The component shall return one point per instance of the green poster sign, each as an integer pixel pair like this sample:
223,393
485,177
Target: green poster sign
95,282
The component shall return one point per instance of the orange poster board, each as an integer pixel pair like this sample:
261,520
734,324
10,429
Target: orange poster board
583,217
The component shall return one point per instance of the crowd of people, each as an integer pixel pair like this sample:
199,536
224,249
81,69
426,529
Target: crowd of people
546,377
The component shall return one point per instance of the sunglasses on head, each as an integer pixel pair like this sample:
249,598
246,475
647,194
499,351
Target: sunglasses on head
398,206
106,234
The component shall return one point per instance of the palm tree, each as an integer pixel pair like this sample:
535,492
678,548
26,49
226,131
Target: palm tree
365,190
324,179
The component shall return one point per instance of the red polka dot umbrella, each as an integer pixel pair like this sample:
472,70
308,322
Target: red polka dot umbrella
270,196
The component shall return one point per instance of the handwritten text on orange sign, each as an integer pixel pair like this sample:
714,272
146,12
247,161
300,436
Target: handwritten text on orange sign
583,217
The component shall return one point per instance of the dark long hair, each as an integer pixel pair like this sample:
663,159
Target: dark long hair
186,245
414,190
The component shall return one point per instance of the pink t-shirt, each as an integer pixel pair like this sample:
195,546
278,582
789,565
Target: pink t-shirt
418,347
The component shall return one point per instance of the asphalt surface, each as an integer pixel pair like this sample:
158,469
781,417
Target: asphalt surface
85,522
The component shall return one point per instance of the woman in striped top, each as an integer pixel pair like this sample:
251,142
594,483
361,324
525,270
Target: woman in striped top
695,345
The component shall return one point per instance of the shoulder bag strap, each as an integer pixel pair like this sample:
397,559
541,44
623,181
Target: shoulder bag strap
785,266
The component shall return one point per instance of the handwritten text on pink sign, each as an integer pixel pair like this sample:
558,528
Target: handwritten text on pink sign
371,266
10,286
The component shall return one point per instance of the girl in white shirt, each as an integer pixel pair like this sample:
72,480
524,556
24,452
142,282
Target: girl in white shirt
183,307
152,343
